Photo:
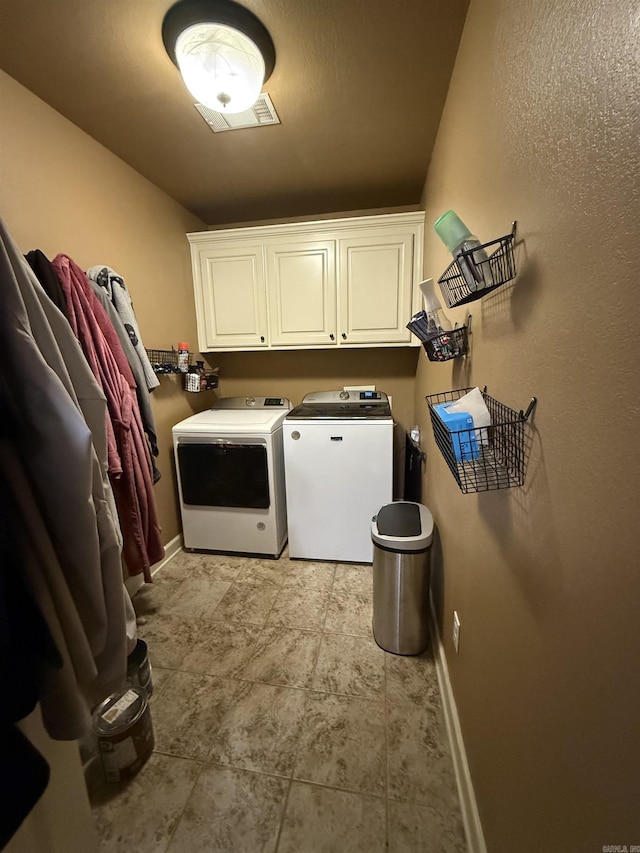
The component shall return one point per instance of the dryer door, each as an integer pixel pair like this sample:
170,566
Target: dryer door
224,473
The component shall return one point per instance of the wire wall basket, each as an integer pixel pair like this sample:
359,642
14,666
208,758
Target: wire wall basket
443,347
448,345
487,458
165,360
470,277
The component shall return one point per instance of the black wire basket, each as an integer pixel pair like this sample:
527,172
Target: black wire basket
485,275
487,458
443,347
165,360
448,345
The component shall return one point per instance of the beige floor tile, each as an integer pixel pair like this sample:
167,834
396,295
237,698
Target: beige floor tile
260,729
231,811
264,670
420,765
343,743
198,598
416,829
284,656
350,665
168,639
273,572
142,813
192,707
299,608
323,820
248,603
221,648
158,678
187,566
350,613
307,574
352,578
151,599
412,679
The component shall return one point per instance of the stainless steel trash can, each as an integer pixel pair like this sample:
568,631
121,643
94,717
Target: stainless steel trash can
402,533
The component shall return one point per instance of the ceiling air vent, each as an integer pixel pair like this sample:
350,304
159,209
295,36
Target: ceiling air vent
262,112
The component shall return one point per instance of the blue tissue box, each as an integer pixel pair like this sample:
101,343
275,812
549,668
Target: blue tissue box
463,436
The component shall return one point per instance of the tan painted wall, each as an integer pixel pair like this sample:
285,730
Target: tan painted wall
539,127
60,191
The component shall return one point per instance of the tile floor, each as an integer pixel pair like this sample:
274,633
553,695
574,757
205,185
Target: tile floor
279,724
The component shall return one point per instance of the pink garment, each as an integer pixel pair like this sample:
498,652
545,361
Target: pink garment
130,468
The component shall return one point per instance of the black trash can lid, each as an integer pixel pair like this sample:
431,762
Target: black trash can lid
403,526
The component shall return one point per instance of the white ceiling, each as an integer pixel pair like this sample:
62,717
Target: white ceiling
359,87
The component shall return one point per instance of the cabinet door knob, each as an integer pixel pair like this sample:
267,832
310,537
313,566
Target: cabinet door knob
332,336
344,337
262,338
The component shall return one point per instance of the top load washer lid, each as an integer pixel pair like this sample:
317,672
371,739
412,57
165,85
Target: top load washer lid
238,415
342,404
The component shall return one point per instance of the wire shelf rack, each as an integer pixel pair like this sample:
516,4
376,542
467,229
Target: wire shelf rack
448,345
487,458
496,270
165,360
444,347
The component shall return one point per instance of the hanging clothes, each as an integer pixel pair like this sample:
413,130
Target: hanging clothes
130,466
116,289
51,465
142,393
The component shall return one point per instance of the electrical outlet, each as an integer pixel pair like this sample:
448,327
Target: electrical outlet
456,631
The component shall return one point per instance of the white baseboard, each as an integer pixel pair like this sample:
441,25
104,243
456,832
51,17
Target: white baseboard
133,584
468,805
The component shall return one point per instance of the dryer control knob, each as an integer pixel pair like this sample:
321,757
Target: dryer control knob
250,401
344,395
295,435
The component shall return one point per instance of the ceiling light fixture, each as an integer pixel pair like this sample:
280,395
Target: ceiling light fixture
224,53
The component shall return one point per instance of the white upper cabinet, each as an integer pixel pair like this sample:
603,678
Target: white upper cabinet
311,285
375,287
302,293
231,306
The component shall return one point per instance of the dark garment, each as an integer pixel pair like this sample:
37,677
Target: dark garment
25,774
25,643
46,275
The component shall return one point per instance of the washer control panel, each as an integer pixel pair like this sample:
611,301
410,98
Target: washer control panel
253,403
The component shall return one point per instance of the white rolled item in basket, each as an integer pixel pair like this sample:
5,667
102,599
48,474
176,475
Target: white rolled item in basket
473,403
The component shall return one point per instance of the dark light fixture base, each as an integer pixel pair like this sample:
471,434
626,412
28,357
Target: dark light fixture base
185,13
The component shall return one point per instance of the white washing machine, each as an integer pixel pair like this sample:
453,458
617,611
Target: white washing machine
230,469
338,452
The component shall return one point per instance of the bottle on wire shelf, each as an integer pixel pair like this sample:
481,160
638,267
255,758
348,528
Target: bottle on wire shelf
438,328
473,261
183,357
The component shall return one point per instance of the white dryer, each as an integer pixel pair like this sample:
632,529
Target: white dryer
230,470
338,451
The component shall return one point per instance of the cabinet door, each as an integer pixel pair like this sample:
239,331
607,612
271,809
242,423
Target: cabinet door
375,286
230,298
301,283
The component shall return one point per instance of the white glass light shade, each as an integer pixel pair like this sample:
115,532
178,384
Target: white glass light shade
220,66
